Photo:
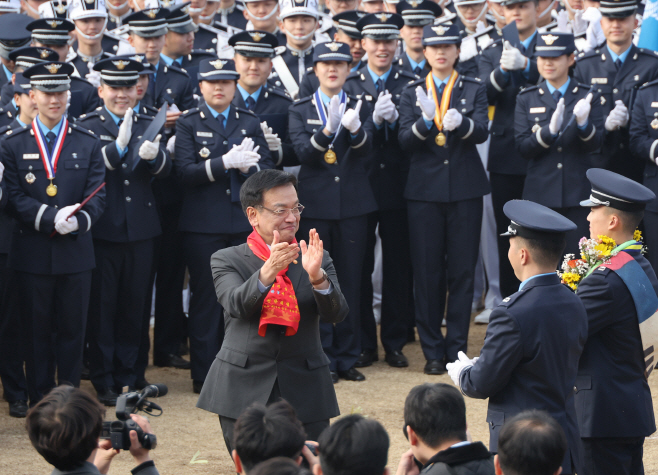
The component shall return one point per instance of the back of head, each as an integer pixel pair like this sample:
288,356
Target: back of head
64,426
354,446
262,433
436,413
279,466
531,443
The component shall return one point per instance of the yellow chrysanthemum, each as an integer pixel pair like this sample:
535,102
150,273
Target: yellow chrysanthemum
637,235
570,278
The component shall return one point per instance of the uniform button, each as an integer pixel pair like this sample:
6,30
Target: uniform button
228,192
463,110
575,389
126,182
225,142
381,165
559,149
445,162
559,165
337,179
124,165
148,204
30,167
128,199
615,91
77,166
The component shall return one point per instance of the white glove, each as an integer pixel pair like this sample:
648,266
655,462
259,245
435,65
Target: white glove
383,104
149,150
273,140
2,170
480,27
557,118
562,18
594,35
171,146
579,24
455,368
240,159
64,213
94,77
452,120
618,117
351,119
512,59
426,104
173,108
334,112
391,114
582,109
66,226
126,130
468,49
68,100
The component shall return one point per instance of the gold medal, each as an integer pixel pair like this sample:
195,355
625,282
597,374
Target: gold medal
30,178
441,106
654,124
51,190
440,139
330,157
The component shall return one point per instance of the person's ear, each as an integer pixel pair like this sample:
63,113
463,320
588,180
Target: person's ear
130,40
559,470
413,437
387,471
252,216
317,469
497,469
237,461
299,460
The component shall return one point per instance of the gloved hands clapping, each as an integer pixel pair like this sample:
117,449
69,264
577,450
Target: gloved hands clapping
427,105
242,157
334,113
512,59
351,120
385,110
126,130
273,140
149,150
557,118
582,109
456,367
618,117
452,120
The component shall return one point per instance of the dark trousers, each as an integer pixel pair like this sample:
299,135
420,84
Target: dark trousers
397,282
345,239
54,309
651,237
119,287
444,251
503,189
613,456
578,215
206,320
12,336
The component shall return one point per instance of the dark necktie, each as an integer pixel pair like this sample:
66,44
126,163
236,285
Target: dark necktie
220,119
380,85
618,64
251,103
417,70
51,137
120,122
557,95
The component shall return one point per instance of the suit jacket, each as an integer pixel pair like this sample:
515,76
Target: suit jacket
643,132
556,166
173,86
211,193
530,358
612,395
454,172
598,69
80,171
342,189
248,365
501,93
131,214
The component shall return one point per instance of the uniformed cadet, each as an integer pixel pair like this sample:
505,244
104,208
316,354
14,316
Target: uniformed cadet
12,351
415,15
293,61
169,83
217,147
375,6
545,20
535,336
118,11
334,150
476,34
13,35
142,85
253,61
52,166
442,118
345,31
230,12
208,36
379,84
506,70
613,400
558,125
616,71
263,15
496,15
23,58
333,7
124,234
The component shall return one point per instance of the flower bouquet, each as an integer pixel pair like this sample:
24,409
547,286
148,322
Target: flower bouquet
592,253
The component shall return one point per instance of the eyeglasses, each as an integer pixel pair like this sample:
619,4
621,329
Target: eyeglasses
285,212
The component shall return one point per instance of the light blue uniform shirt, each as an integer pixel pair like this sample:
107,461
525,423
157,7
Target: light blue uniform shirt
245,94
622,56
530,278
414,64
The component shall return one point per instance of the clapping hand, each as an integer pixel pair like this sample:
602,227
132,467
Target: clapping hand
557,118
126,130
512,59
272,139
351,120
452,120
281,255
582,109
312,255
427,105
149,150
456,367
2,170
334,113
618,117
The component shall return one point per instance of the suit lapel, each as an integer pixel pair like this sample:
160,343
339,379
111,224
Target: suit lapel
109,123
211,122
626,66
546,98
232,122
366,82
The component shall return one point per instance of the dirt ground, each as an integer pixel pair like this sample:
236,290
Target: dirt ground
190,441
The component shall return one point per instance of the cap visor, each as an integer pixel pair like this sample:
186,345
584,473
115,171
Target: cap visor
588,203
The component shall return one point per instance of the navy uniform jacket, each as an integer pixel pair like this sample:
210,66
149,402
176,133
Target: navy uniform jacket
342,189
131,214
80,171
451,173
530,358
556,166
173,86
612,395
388,171
272,106
211,200
234,17
6,220
205,38
598,69
403,63
501,93
84,98
643,133
8,113
145,109
291,58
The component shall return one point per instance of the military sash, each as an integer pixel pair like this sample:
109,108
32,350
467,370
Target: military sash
443,106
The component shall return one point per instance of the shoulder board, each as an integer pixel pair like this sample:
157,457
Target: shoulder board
302,100
594,53
528,89
470,79
245,111
13,132
278,92
648,52
177,70
483,32
279,50
143,117
586,87
113,36
4,129
352,75
648,84
82,129
89,115
406,74
196,110
509,301
201,52
415,82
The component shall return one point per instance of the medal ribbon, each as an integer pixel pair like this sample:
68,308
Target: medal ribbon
322,113
444,105
50,162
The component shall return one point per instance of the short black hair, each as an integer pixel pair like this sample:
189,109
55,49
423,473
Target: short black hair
251,193
531,443
64,426
354,445
436,412
546,252
262,433
279,466
629,220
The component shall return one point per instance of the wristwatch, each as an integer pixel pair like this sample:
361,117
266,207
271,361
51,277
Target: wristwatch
321,279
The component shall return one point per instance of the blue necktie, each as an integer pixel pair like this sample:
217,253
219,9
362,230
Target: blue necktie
380,85
51,137
557,95
251,103
417,70
618,64
220,119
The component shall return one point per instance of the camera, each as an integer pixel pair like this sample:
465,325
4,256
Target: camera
118,432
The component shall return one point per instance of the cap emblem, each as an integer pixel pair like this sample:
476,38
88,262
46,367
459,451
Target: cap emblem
61,9
151,13
414,3
136,58
54,23
549,39
185,9
439,30
383,17
53,68
218,63
333,46
257,36
120,64
43,53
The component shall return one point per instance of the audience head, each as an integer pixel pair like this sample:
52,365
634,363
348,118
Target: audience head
262,433
434,419
353,445
279,466
531,443
64,427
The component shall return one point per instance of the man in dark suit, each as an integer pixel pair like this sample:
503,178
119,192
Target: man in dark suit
272,350
535,336
613,400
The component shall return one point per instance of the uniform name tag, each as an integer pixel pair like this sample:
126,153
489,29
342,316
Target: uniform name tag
107,138
314,121
204,134
537,110
599,80
31,156
368,98
654,104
